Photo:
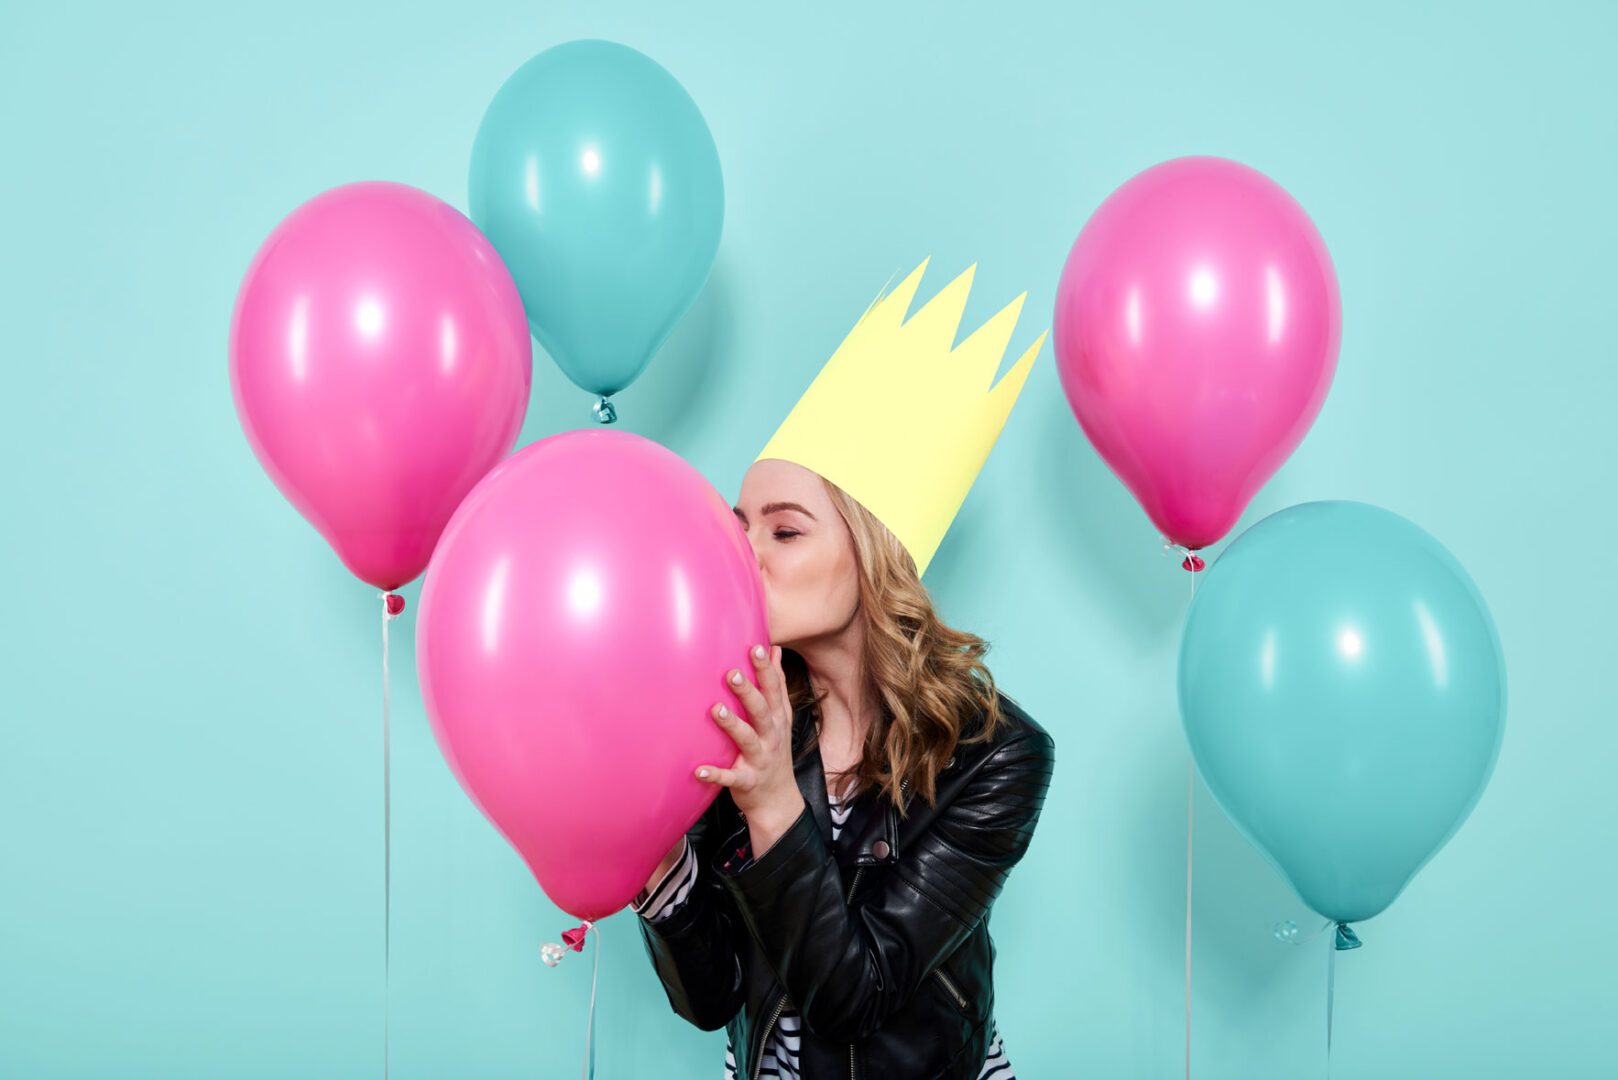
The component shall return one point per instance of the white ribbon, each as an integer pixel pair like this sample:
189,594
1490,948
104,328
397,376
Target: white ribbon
387,840
1190,814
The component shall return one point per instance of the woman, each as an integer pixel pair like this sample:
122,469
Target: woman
830,908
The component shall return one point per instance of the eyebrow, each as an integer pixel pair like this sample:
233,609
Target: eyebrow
770,508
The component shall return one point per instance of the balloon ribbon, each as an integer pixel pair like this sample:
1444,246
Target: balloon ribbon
392,604
1194,564
1342,939
552,954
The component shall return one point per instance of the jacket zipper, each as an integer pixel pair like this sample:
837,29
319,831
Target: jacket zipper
956,994
758,1060
853,1072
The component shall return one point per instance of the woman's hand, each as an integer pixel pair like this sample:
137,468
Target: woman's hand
761,781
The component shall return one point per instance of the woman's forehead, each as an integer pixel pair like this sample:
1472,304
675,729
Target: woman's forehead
772,480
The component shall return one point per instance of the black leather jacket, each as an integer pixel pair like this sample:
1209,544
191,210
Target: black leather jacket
880,942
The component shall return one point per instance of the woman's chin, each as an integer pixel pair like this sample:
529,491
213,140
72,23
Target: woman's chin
772,628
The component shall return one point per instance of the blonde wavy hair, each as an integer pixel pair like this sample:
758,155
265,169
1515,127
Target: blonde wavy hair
930,679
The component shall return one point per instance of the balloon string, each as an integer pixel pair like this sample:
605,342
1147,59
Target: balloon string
387,840
1343,939
553,953
1190,791
1331,985
589,1023
1194,564
1190,849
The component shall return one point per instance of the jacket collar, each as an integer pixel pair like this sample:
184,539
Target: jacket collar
870,835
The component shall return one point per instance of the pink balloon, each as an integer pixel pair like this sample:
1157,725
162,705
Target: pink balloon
380,363
1196,333
577,623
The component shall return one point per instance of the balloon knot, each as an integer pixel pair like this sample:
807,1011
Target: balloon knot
574,938
1192,561
604,411
1346,938
394,601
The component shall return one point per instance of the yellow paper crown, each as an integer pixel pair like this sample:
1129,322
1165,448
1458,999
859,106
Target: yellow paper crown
902,421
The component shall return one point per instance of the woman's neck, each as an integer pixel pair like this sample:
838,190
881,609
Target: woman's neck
835,668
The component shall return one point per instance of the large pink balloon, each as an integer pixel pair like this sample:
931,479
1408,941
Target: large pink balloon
380,362
1196,332
576,625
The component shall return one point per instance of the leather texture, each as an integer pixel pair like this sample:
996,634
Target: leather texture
880,941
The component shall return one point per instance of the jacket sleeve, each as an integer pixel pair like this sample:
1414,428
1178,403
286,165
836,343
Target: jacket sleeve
848,970
692,941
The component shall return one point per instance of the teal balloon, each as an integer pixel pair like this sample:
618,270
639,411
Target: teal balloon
595,177
1343,690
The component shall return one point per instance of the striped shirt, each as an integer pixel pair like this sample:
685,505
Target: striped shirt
781,1055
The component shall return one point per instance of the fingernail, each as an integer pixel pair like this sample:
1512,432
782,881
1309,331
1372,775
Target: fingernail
736,677
758,652
723,711
702,774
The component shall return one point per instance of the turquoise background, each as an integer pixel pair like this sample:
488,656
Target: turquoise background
190,822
